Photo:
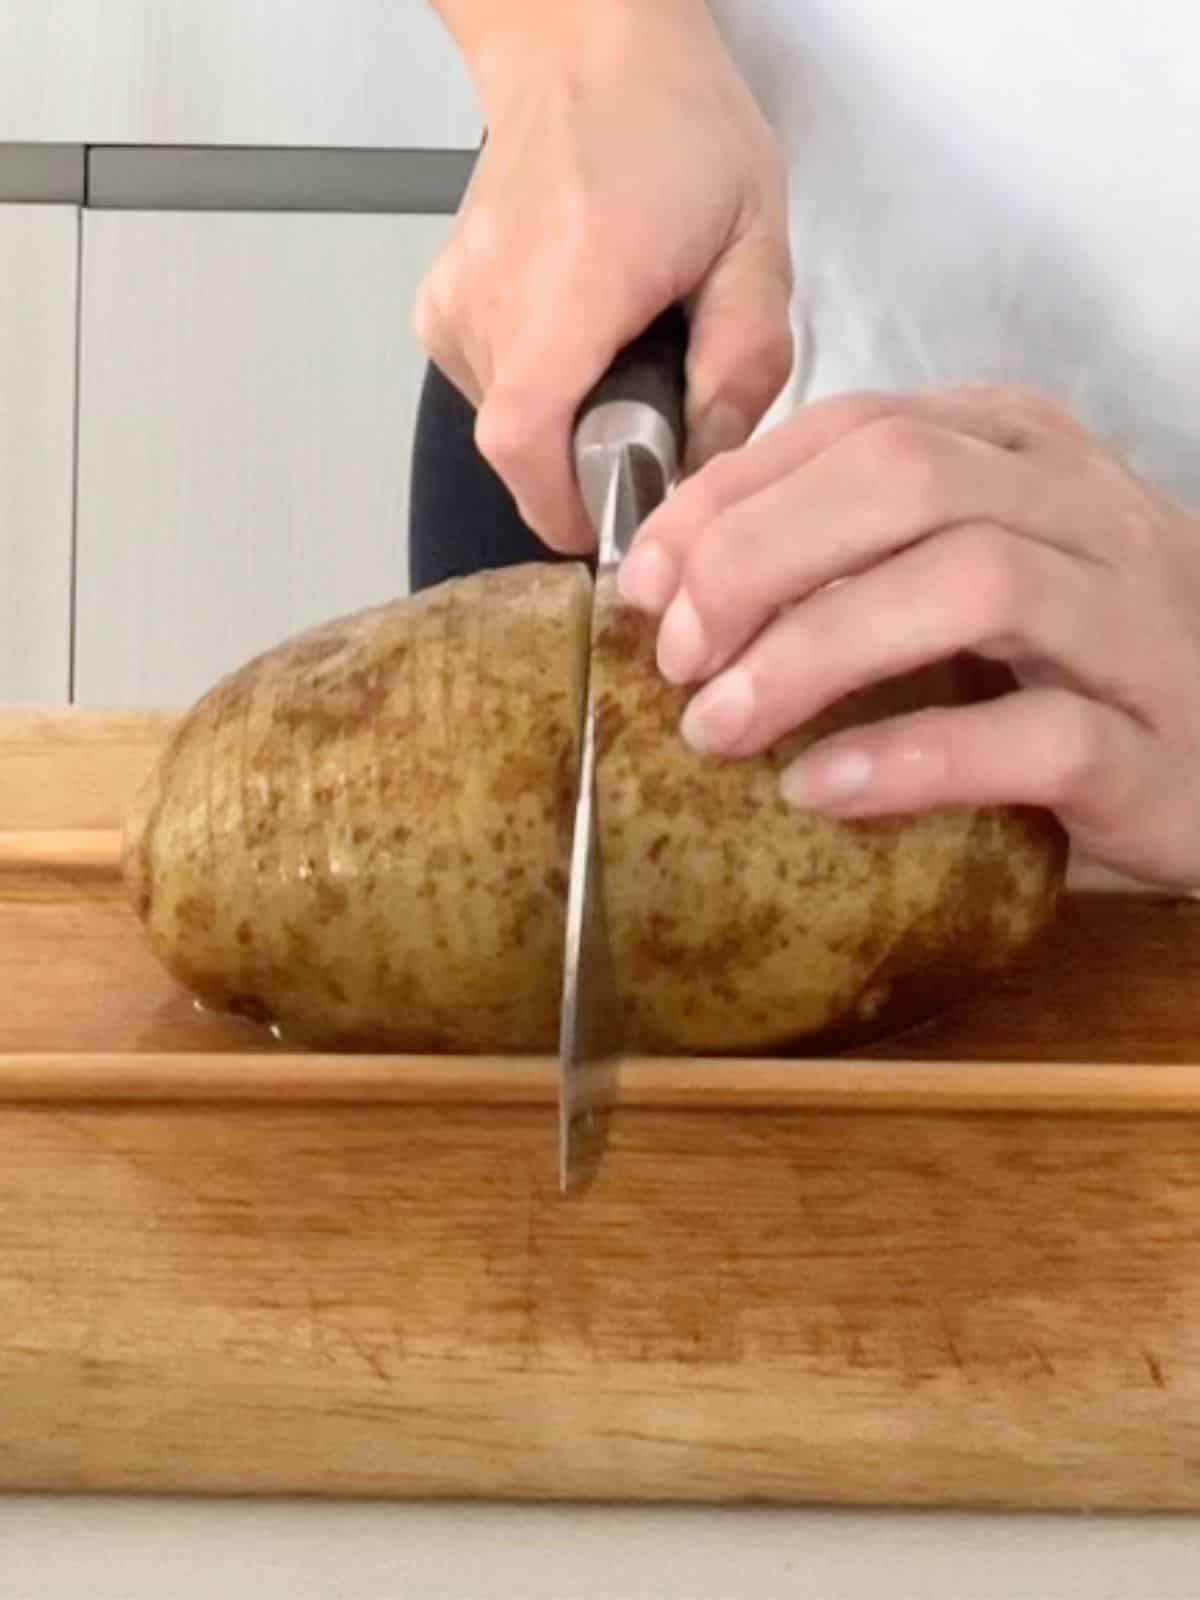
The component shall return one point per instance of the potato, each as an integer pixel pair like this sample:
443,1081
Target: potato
362,835
740,925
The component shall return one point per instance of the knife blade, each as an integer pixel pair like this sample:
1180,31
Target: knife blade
628,447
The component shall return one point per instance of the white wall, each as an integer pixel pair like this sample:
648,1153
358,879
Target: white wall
307,72
38,256
248,393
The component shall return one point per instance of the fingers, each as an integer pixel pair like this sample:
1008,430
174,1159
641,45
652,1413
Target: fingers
1010,417
741,347
1038,747
525,424
628,173
445,341
524,349
651,573
884,444
975,588
528,390
837,517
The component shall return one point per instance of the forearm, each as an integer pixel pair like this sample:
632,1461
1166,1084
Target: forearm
494,35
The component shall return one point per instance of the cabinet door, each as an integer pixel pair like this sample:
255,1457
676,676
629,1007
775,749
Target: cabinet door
39,252
248,393
283,72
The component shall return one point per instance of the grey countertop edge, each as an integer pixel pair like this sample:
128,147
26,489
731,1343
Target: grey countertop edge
235,177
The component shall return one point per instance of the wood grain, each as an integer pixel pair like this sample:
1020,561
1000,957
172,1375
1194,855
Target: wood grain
74,769
239,1077
394,1301
849,1281
1118,984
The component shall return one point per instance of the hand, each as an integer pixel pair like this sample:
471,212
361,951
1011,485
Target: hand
985,521
626,168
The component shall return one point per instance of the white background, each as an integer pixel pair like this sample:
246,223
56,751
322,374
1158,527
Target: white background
160,1550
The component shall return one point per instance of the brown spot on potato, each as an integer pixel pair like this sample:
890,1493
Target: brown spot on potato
298,949
556,883
332,900
336,707
611,720
194,914
659,794
310,650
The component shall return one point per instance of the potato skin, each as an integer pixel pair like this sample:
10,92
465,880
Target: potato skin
742,926
362,834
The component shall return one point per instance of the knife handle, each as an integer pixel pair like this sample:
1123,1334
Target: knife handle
637,407
650,371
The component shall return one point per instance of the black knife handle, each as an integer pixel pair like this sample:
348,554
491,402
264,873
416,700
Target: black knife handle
651,369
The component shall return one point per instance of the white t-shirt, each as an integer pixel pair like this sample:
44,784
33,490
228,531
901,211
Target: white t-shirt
1004,192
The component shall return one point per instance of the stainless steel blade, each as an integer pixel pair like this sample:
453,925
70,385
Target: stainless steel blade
591,1031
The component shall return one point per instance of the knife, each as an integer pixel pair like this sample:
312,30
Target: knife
628,448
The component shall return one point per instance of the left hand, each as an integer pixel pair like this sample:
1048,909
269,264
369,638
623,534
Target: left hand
977,520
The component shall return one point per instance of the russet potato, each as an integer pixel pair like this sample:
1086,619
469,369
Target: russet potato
740,925
363,837
362,834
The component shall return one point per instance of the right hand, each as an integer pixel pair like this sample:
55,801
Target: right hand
626,167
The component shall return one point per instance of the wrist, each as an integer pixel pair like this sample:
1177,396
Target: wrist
503,44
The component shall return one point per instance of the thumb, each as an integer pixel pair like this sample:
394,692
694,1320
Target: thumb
741,348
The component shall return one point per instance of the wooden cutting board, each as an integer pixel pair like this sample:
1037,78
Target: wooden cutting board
962,1270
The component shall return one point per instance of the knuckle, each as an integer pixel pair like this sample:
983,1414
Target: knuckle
858,414
1040,410
986,580
714,571
705,496
774,357
899,452
481,236
437,299
503,434
716,487
424,317
445,279
1138,524
577,217
1079,765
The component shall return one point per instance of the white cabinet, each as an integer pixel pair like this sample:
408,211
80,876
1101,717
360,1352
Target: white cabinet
39,249
248,393
272,72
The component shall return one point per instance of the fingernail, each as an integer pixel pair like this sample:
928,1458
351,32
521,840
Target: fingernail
721,427
646,578
718,717
682,647
827,783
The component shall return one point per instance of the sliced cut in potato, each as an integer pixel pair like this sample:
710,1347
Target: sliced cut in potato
362,835
740,925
